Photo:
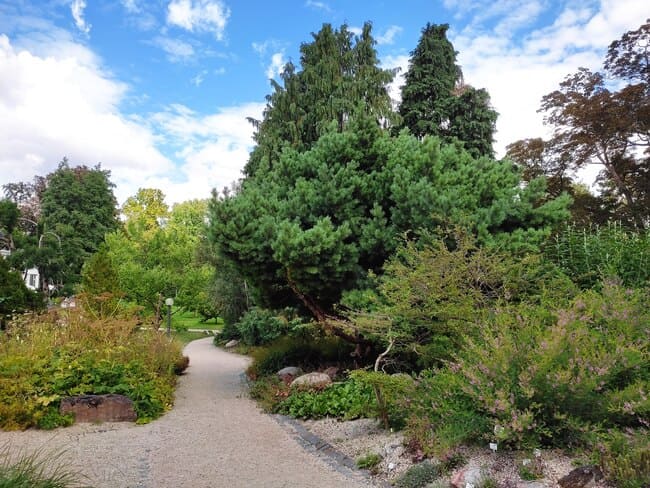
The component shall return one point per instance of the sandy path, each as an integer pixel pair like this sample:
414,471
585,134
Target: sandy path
213,437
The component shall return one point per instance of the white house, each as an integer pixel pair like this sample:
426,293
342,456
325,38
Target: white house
31,276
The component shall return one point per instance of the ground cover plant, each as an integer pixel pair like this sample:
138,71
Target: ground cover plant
44,358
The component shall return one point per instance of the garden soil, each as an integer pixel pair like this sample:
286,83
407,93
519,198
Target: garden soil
214,436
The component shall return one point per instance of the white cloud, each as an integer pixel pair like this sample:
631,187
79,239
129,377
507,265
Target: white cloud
199,78
199,16
400,63
77,7
388,37
63,104
355,30
277,63
131,6
214,148
177,50
318,5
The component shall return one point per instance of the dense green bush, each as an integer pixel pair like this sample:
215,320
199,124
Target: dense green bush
48,357
526,383
347,400
259,326
590,255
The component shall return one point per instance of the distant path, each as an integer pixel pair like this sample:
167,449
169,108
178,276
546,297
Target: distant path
213,437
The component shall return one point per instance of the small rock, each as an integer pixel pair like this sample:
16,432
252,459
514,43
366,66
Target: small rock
233,343
391,466
581,477
312,380
532,484
292,371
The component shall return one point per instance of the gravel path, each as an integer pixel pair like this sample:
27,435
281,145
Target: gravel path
213,437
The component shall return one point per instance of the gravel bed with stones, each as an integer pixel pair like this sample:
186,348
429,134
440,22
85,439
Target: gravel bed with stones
361,437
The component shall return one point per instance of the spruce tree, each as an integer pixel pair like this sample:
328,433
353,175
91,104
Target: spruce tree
339,77
435,100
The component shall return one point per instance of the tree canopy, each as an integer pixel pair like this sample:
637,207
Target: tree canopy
77,209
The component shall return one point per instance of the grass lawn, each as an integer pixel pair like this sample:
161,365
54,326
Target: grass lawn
186,337
191,320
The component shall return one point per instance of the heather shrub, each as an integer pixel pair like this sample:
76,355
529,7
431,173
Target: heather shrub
525,382
45,358
625,457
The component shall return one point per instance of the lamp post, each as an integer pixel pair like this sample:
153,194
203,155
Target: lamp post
169,302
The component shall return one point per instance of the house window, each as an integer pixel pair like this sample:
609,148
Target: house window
32,280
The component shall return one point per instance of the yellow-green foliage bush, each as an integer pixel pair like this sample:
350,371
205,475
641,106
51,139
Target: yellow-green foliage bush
44,358
525,382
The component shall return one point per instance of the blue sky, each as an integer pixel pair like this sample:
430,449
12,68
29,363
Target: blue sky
158,91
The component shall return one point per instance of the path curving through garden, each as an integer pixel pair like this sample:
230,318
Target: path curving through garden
213,437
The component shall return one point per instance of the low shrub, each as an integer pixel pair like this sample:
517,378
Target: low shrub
419,475
348,400
259,326
527,383
48,357
392,394
369,461
269,392
625,458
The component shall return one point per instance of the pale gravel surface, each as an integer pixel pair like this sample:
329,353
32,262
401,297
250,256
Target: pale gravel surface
213,437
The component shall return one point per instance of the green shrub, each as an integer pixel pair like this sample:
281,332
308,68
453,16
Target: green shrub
347,400
46,358
525,383
269,392
259,326
392,394
419,475
369,461
625,458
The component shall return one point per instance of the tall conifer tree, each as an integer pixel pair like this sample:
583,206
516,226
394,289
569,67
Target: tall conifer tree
435,100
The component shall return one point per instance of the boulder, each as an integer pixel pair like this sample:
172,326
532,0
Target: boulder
289,371
312,380
99,408
581,477
233,343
